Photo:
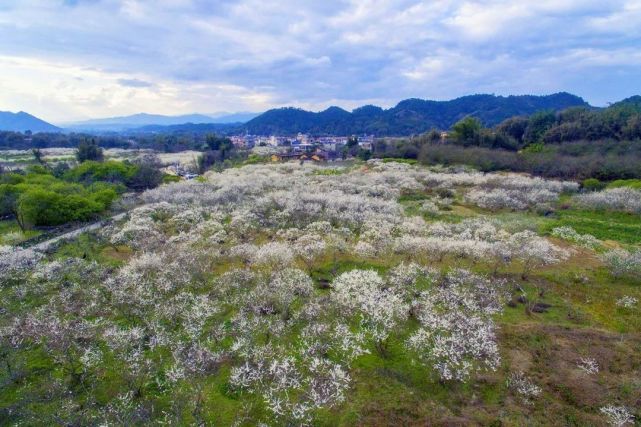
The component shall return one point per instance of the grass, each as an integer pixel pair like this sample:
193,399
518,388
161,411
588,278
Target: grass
630,183
90,247
11,234
618,226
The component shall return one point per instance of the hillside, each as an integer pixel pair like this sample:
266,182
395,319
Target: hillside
22,122
409,116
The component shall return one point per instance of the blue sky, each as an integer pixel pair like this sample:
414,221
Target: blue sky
74,59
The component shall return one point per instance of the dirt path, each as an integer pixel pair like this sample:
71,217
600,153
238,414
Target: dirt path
43,246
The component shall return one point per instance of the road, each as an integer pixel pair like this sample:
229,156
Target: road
43,246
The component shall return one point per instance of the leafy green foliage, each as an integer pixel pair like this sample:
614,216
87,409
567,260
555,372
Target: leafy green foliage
89,151
110,171
38,198
592,184
467,131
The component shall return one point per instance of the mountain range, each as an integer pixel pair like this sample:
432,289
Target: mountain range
117,124
22,122
410,116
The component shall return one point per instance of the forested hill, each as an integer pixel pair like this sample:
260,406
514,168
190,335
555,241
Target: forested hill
410,116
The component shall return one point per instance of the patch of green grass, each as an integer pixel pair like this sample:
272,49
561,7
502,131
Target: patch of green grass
89,247
413,197
331,171
395,160
10,233
619,226
631,183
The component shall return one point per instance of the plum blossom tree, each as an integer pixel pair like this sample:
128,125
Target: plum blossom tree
379,307
457,335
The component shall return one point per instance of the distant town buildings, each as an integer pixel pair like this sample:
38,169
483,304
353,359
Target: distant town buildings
301,141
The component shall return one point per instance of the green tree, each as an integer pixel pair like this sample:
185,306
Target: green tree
89,150
467,131
147,174
538,124
216,143
38,156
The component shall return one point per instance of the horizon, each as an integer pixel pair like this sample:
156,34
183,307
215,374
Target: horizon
76,60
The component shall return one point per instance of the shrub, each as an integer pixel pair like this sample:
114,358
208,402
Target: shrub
592,184
615,199
623,263
37,206
89,151
90,172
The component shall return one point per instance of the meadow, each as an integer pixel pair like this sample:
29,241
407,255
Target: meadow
370,293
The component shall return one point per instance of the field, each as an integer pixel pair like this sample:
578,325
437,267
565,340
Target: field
369,293
13,159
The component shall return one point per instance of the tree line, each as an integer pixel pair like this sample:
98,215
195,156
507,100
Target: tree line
576,143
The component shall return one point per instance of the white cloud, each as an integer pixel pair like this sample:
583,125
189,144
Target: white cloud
102,57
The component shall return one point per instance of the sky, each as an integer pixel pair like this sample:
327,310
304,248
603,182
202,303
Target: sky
67,60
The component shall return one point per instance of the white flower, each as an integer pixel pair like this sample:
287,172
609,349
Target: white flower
617,415
622,262
589,365
523,386
618,199
627,301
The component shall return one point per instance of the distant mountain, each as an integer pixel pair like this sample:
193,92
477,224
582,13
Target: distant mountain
118,124
195,128
22,122
408,117
242,117
138,120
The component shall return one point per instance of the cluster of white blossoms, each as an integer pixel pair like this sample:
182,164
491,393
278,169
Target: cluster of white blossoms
627,301
251,270
381,307
617,415
523,386
589,365
476,239
617,199
518,192
501,198
570,234
457,334
14,260
622,262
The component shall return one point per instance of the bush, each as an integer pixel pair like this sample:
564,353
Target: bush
615,199
40,199
89,151
111,171
592,184
37,206
622,263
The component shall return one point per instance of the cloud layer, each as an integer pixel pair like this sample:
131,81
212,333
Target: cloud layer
74,59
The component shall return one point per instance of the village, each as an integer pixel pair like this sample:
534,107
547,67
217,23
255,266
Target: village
306,147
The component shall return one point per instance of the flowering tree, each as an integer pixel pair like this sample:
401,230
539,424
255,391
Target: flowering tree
457,333
379,307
